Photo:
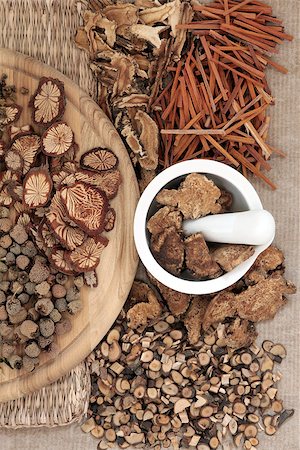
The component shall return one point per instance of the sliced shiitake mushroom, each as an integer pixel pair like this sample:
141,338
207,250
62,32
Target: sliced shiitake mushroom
58,259
69,236
11,113
27,146
57,139
86,206
48,101
99,159
110,219
37,187
87,257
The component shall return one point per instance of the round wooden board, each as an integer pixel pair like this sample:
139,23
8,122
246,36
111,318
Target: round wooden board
118,264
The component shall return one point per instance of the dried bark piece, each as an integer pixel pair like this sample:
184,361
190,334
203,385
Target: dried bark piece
57,139
164,218
148,137
229,256
48,101
58,258
87,257
37,187
27,146
168,248
136,100
198,259
264,299
110,218
99,159
144,311
183,13
240,333
13,161
194,318
146,177
269,260
86,206
177,302
11,114
69,236
223,305
196,197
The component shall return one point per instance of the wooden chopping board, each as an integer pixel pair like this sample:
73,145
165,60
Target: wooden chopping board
118,264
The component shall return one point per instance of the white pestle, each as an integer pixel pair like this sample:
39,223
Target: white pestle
248,227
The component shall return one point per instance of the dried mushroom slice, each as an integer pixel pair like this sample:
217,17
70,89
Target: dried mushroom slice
57,139
86,206
99,159
48,101
10,113
110,218
58,259
28,146
13,161
87,257
37,187
69,236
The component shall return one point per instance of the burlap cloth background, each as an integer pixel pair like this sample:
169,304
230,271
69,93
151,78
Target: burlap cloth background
284,204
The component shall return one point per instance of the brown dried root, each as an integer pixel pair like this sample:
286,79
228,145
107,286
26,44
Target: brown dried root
193,319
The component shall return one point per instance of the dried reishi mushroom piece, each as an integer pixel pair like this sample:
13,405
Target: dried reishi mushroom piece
198,259
269,260
13,161
223,305
122,14
164,218
11,113
37,187
196,197
48,101
110,218
194,317
57,139
58,258
86,206
147,306
28,146
168,248
229,256
69,236
99,159
240,333
87,257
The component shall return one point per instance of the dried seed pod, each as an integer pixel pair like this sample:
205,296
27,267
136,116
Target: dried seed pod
32,350
29,329
47,327
87,257
37,188
110,218
27,146
58,258
57,139
99,160
86,206
11,113
44,306
48,101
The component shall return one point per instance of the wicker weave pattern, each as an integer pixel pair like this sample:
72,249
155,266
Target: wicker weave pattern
45,29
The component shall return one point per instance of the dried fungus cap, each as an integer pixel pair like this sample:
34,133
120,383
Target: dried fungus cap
69,236
13,161
11,114
58,259
28,146
99,159
86,206
87,257
37,187
48,101
110,219
57,139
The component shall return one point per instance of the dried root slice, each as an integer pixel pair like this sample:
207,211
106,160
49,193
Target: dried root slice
47,235
8,181
58,258
13,161
2,148
11,114
14,132
15,190
108,182
48,101
86,206
57,139
23,219
90,279
37,188
110,218
87,257
70,237
99,159
28,147
38,240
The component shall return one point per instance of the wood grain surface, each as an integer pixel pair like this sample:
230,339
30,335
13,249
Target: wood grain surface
118,264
